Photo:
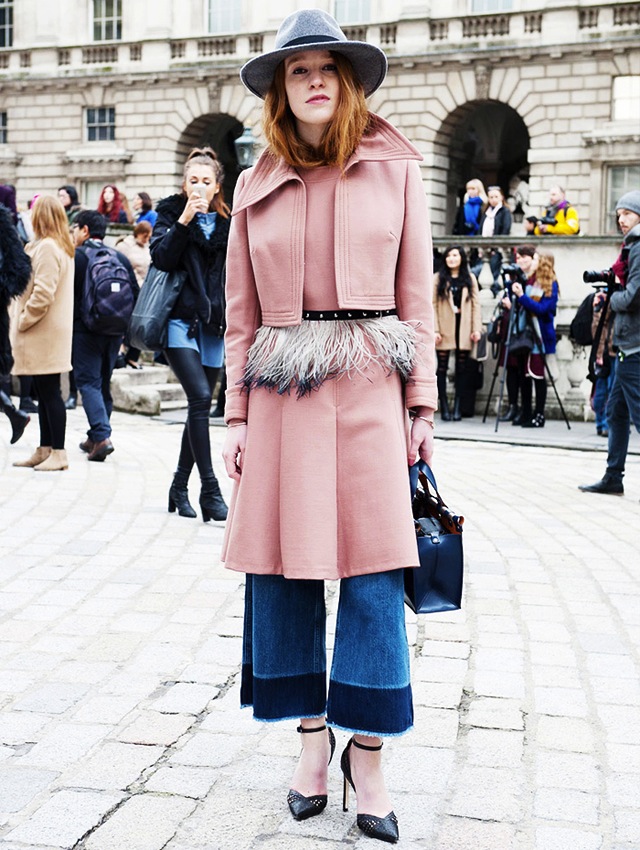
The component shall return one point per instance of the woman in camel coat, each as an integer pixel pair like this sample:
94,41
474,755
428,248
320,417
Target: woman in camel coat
41,328
458,321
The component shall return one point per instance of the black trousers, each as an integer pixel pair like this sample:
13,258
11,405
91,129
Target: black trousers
198,382
51,410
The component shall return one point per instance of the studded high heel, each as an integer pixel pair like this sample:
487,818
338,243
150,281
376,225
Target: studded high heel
386,828
302,807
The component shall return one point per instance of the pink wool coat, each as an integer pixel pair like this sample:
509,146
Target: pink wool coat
324,491
382,248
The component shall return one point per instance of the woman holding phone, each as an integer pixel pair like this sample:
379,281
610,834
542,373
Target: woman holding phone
191,234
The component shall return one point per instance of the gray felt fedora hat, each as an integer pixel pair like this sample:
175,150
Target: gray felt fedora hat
313,29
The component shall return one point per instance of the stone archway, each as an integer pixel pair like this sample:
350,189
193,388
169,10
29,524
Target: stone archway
484,139
219,131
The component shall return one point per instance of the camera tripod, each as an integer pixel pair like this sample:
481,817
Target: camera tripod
504,346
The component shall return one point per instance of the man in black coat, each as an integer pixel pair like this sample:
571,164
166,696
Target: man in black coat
15,271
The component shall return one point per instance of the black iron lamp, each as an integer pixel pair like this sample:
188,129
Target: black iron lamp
245,146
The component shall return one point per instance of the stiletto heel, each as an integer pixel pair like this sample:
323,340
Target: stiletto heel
302,807
384,829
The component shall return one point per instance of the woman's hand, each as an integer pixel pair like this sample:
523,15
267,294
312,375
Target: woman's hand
438,338
475,337
517,289
421,445
506,303
195,204
233,450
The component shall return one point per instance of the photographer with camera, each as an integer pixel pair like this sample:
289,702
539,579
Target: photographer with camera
533,295
560,218
623,406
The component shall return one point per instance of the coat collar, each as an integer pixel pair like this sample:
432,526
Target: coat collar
383,143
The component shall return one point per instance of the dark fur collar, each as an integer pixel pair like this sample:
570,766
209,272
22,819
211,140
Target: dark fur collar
172,208
15,269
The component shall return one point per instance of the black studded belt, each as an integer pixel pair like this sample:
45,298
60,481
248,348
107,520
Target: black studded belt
342,315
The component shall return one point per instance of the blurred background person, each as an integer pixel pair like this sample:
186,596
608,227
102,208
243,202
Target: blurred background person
143,208
41,328
495,221
126,206
191,233
68,196
15,271
564,214
471,209
135,247
110,205
458,323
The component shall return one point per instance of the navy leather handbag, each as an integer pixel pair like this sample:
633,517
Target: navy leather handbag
436,585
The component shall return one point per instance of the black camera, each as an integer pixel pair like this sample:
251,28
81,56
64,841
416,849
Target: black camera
606,276
513,272
547,219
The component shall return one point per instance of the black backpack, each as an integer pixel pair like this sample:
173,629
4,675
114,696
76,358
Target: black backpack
108,296
580,328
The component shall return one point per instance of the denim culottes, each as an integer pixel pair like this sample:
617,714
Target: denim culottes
284,659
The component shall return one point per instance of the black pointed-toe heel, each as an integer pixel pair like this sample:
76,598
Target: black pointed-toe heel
384,829
302,807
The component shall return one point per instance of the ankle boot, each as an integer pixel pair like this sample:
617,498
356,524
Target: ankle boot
55,462
179,495
19,418
457,416
443,403
212,505
510,415
40,454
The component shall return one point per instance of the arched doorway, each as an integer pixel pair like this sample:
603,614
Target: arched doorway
484,139
219,132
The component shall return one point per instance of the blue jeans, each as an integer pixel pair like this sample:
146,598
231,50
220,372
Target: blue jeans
284,660
94,356
601,394
623,408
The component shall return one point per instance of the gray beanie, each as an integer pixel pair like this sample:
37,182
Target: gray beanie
630,201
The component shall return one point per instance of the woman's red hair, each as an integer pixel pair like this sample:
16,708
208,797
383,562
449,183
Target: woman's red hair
111,213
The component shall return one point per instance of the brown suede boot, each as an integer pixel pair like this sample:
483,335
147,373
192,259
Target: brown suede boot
40,454
56,461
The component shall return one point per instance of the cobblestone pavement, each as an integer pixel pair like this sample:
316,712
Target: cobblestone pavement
120,654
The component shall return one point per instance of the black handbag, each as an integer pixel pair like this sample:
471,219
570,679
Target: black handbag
521,341
436,585
150,318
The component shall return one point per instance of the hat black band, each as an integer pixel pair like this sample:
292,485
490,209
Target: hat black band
309,39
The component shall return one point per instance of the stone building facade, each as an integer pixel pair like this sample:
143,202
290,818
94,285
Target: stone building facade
517,92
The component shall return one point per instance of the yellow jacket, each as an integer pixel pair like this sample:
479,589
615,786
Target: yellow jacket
567,223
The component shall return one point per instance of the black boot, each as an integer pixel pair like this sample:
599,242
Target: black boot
179,495
212,505
443,402
457,416
18,418
611,484
510,415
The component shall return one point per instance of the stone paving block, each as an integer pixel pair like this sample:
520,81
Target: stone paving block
195,782
624,758
106,709
63,745
616,691
185,698
556,654
507,660
621,723
628,828
623,791
491,683
438,726
445,649
433,765
558,838
65,818
564,702
17,727
452,670
562,733
618,666
567,770
151,727
457,833
495,748
436,694
206,750
111,766
145,822
493,713
113,647
564,804
19,785
51,698
546,676
489,794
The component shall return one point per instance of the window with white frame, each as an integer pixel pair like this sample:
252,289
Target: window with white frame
101,124
6,23
107,20
626,99
491,5
3,128
353,11
621,179
224,16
